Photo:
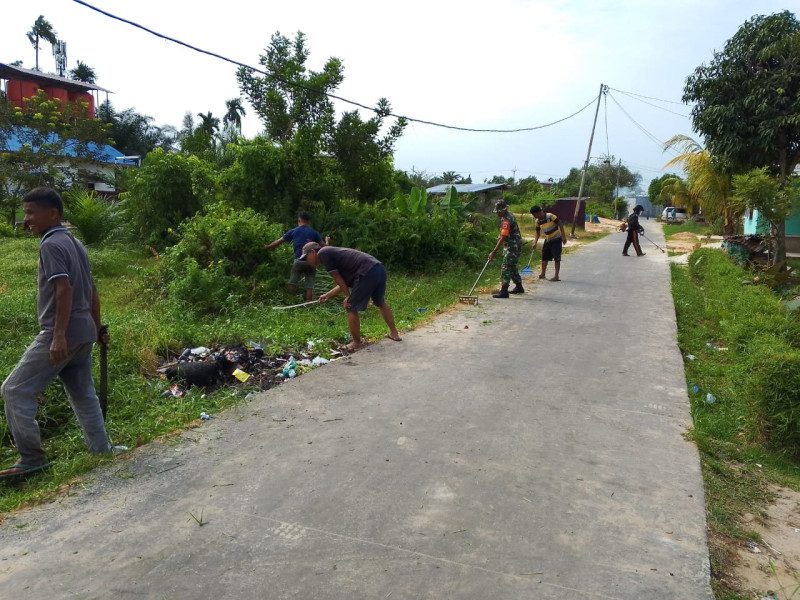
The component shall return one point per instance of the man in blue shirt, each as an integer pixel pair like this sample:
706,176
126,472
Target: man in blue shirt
299,237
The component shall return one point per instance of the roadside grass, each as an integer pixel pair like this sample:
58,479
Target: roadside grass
738,345
145,330
687,226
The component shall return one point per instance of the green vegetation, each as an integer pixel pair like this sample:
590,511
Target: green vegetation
743,348
146,328
687,226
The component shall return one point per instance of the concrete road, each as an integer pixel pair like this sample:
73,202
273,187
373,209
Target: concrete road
523,448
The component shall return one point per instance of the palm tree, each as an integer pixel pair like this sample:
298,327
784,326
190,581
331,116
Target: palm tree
451,177
235,113
712,189
675,192
209,124
83,72
41,30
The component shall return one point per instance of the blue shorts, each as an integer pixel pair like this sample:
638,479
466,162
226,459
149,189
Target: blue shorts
369,286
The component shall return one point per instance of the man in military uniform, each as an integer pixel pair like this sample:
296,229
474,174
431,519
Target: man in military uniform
511,240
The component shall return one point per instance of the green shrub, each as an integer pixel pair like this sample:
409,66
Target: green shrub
7,231
221,260
95,220
415,242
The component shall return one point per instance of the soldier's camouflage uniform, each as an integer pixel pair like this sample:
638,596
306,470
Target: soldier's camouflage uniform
512,247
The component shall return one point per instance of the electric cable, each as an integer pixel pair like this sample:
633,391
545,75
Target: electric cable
639,98
327,94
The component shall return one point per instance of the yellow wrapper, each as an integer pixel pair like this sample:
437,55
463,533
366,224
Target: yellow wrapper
241,375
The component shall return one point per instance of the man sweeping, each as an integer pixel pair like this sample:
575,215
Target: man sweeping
511,240
547,224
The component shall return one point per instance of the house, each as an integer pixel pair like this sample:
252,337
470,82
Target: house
754,224
17,84
487,192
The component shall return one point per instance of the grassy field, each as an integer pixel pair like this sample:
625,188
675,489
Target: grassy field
741,352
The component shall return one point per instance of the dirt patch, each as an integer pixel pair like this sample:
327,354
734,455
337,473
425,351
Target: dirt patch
604,225
779,546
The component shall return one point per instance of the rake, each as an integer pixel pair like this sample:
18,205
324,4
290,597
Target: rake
527,270
469,298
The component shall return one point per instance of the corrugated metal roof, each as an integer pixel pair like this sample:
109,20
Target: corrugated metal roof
466,188
104,153
72,85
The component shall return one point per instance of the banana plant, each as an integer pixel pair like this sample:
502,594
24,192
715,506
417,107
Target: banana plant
415,203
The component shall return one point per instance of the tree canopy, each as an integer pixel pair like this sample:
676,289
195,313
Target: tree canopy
747,99
747,102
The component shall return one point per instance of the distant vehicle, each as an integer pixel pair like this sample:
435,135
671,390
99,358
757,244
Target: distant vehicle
674,214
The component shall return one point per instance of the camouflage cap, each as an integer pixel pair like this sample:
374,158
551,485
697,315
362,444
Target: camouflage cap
500,206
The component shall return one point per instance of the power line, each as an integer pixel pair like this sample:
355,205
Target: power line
648,97
649,135
327,94
639,98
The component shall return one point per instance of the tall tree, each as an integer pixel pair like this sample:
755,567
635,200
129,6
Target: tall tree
41,30
292,99
83,72
747,101
352,155
236,111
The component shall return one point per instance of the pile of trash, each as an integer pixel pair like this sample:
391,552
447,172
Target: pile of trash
236,364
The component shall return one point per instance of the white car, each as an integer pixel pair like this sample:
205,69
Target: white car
674,214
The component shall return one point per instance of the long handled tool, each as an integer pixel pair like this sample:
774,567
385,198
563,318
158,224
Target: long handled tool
469,298
103,393
527,270
296,305
652,242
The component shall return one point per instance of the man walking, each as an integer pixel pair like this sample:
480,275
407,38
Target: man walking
360,277
634,231
299,237
69,322
554,238
511,240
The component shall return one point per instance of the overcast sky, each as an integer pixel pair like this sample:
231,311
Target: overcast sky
504,64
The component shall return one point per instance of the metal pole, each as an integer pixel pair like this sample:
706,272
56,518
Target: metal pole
603,90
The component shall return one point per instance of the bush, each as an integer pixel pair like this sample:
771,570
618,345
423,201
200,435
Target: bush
221,259
95,220
415,242
8,231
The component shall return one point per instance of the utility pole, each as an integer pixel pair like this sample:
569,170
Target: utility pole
603,90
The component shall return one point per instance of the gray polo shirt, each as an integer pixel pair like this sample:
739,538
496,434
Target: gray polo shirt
61,255
351,264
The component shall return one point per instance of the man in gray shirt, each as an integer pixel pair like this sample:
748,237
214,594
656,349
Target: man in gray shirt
360,277
69,322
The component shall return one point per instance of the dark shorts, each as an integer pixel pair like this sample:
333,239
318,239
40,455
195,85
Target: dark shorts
369,286
551,250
